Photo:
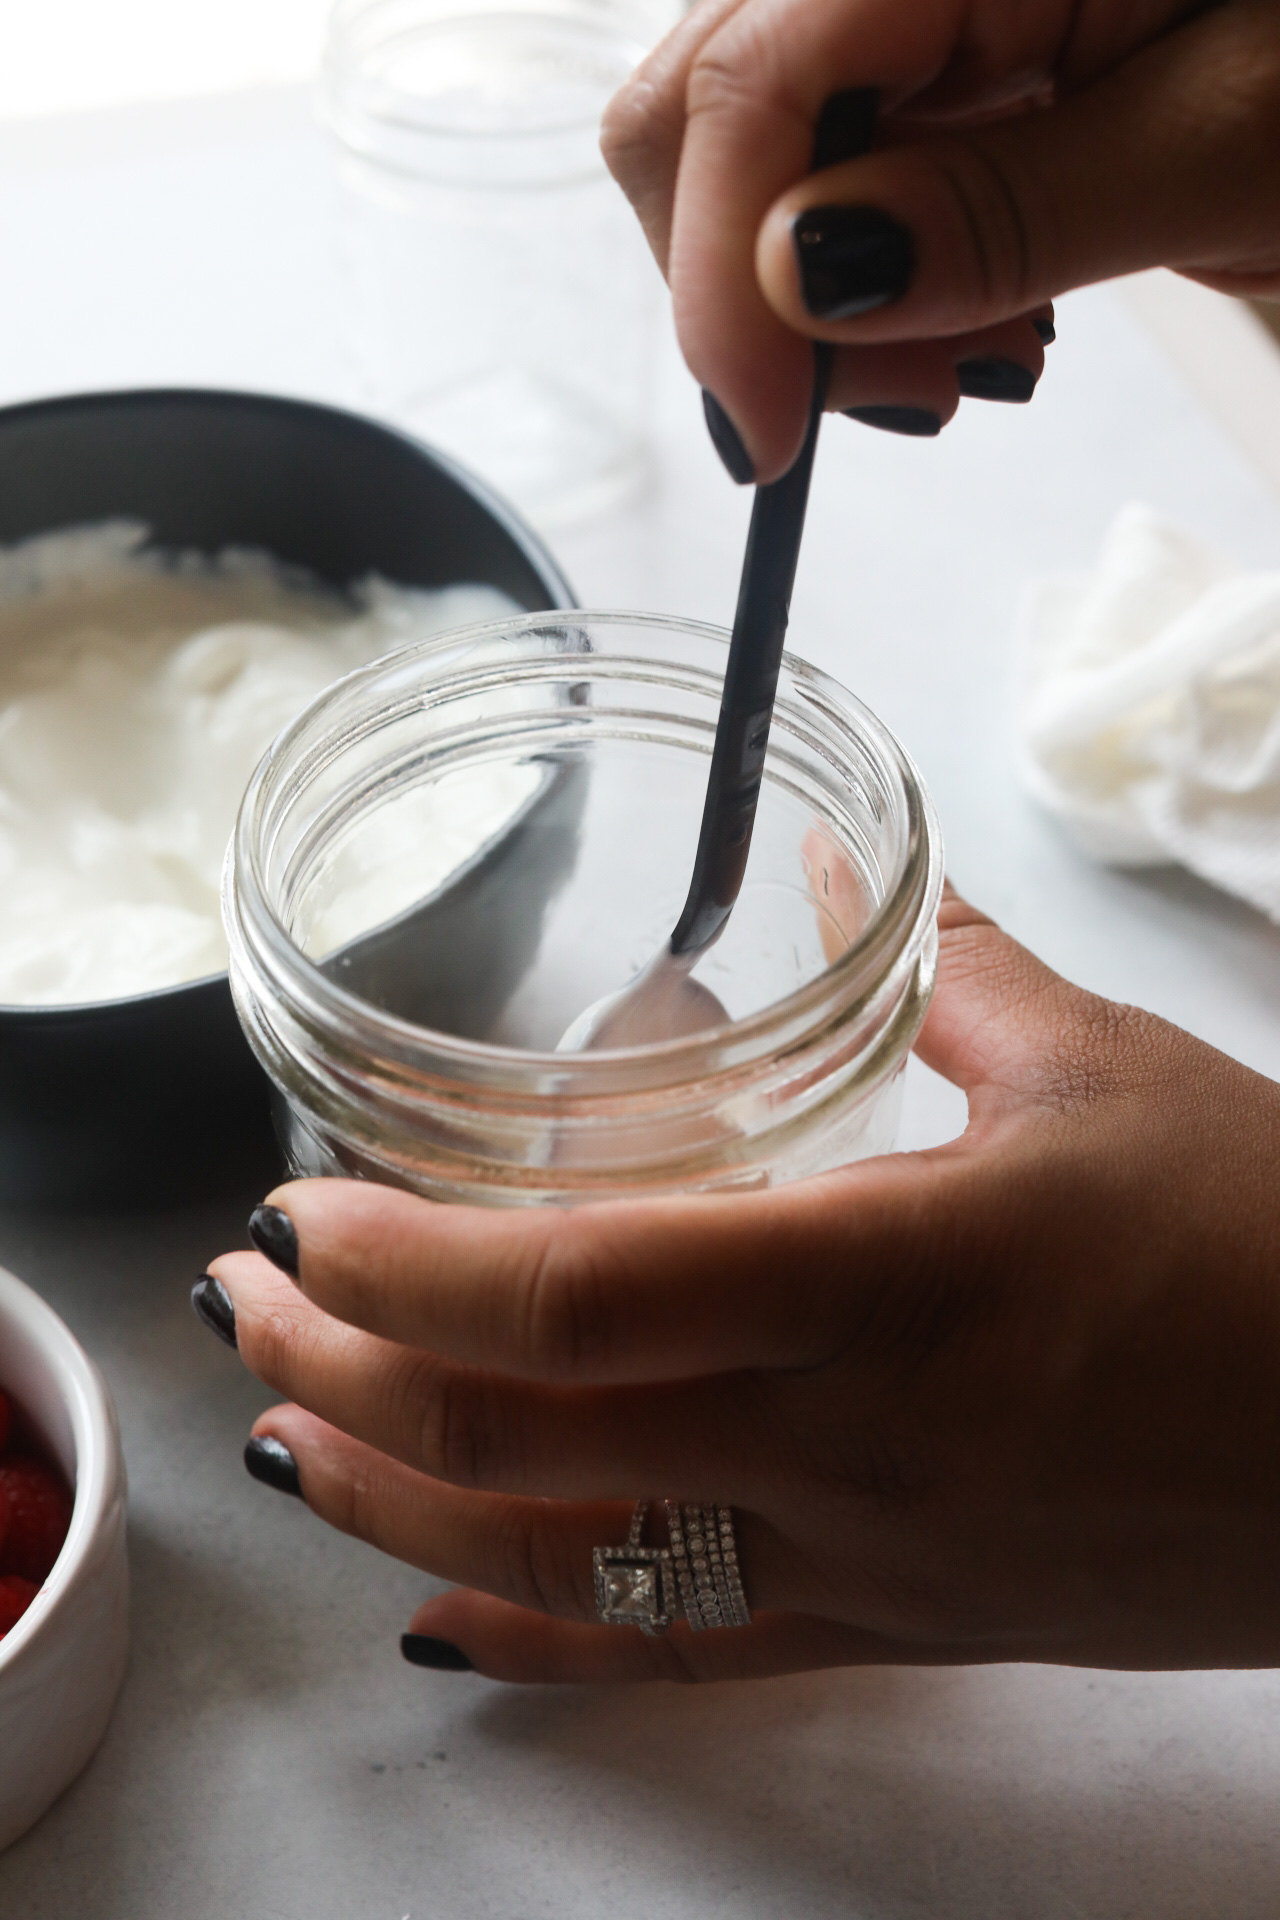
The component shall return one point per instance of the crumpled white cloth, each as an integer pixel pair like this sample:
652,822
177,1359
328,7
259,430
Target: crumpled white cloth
1147,702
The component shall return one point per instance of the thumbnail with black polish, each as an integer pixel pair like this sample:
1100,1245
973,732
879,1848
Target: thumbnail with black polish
271,1462
213,1307
1046,330
851,260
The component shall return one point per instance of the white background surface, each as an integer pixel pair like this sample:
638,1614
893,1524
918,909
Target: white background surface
272,1756
63,55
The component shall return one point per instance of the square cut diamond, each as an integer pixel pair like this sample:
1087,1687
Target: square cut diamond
634,1586
631,1591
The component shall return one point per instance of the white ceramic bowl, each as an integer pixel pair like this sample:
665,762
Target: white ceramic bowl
62,1665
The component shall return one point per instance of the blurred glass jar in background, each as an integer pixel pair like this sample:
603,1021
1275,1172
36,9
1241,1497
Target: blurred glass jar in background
502,301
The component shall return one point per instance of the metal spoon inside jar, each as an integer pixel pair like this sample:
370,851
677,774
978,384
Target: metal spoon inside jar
663,1001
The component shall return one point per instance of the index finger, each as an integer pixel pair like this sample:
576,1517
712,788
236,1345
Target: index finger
755,90
619,1292
643,125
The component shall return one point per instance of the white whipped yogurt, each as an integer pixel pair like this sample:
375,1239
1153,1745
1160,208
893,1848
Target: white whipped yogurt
136,697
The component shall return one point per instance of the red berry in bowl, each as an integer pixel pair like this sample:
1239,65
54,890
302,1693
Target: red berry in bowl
39,1515
16,1595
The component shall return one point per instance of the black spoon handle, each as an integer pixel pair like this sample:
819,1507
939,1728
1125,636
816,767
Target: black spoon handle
845,129
750,685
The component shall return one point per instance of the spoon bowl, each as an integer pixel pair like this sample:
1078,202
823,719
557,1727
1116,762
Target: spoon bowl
664,1002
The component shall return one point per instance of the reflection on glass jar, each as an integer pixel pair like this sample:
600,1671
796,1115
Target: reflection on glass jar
457,849
502,299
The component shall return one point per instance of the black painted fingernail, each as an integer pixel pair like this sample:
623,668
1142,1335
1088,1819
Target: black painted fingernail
1046,330
851,260
727,441
919,422
992,379
213,1306
271,1462
424,1650
273,1233
846,127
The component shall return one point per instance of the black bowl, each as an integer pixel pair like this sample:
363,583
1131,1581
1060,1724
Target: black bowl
158,1097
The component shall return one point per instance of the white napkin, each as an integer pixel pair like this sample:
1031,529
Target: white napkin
1147,699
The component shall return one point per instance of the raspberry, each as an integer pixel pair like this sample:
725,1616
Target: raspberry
6,1419
39,1515
16,1595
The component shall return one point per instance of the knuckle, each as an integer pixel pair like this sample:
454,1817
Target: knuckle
274,1345
568,1313
975,951
428,1409
932,1308
441,1413
1003,237
1108,1048
715,85
457,1425
885,1462
535,1566
738,69
633,133
887,1471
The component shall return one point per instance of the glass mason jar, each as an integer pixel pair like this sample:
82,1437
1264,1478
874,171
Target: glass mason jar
457,849
502,299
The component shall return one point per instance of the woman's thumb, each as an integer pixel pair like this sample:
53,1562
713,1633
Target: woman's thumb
1171,159
1000,1019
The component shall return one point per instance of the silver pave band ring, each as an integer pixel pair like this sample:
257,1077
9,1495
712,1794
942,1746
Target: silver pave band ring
704,1556
647,1587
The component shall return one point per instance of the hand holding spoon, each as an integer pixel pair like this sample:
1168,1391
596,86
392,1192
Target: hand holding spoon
663,1002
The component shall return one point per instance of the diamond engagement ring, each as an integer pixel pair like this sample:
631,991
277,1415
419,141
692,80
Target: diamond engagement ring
635,1586
647,1587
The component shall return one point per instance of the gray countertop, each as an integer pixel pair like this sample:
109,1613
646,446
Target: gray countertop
272,1757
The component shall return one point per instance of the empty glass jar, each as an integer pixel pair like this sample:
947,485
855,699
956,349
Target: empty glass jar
457,849
502,299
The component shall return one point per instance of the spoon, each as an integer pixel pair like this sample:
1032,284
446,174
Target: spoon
663,1002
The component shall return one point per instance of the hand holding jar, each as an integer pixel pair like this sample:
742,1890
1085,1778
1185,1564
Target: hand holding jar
1020,151
1010,1399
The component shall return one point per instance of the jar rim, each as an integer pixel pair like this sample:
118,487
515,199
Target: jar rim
894,932
351,89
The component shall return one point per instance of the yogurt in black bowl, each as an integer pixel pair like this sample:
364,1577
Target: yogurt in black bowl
105,1101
